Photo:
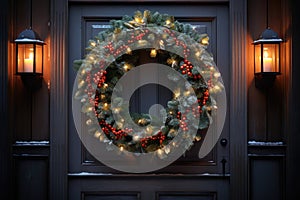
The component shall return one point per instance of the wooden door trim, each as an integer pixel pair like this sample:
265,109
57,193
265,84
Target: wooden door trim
59,104
238,100
5,88
59,101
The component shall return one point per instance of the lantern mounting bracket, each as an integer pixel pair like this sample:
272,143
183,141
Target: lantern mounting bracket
32,81
265,80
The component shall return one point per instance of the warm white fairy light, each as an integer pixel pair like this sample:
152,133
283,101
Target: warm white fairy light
173,63
161,44
176,93
93,43
128,50
138,19
136,138
198,138
88,122
126,67
149,129
153,53
187,93
217,74
121,148
102,137
105,106
217,88
205,41
167,149
159,152
81,83
117,110
97,134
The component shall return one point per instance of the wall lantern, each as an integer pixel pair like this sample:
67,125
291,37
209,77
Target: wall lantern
29,54
266,59
266,56
30,57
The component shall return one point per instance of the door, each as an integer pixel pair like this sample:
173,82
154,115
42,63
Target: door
186,178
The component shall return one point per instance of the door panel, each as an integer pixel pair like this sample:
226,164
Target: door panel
86,21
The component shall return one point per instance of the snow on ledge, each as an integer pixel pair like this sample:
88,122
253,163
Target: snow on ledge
257,143
31,143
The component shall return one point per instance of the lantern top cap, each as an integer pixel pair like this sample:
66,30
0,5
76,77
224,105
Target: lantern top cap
29,36
268,36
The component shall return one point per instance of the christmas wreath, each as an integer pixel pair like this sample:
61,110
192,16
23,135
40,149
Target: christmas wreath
116,51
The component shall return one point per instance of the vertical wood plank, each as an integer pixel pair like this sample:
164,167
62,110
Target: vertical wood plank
238,101
5,184
293,110
40,98
257,100
21,94
58,100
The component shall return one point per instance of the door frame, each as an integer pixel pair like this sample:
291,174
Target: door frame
59,99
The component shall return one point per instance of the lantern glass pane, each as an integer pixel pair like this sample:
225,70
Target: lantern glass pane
25,58
39,59
271,57
20,58
257,57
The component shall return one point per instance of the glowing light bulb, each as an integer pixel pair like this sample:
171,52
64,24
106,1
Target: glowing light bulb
217,74
97,134
126,67
176,94
153,53
159,152
187,93
205,40
128,50
93,43
81,83
198,53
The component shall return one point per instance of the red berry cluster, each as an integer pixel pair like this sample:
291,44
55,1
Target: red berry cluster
118,134
115,52
99,78
137,37
178,42
123,48
158,138
205,97
186,68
